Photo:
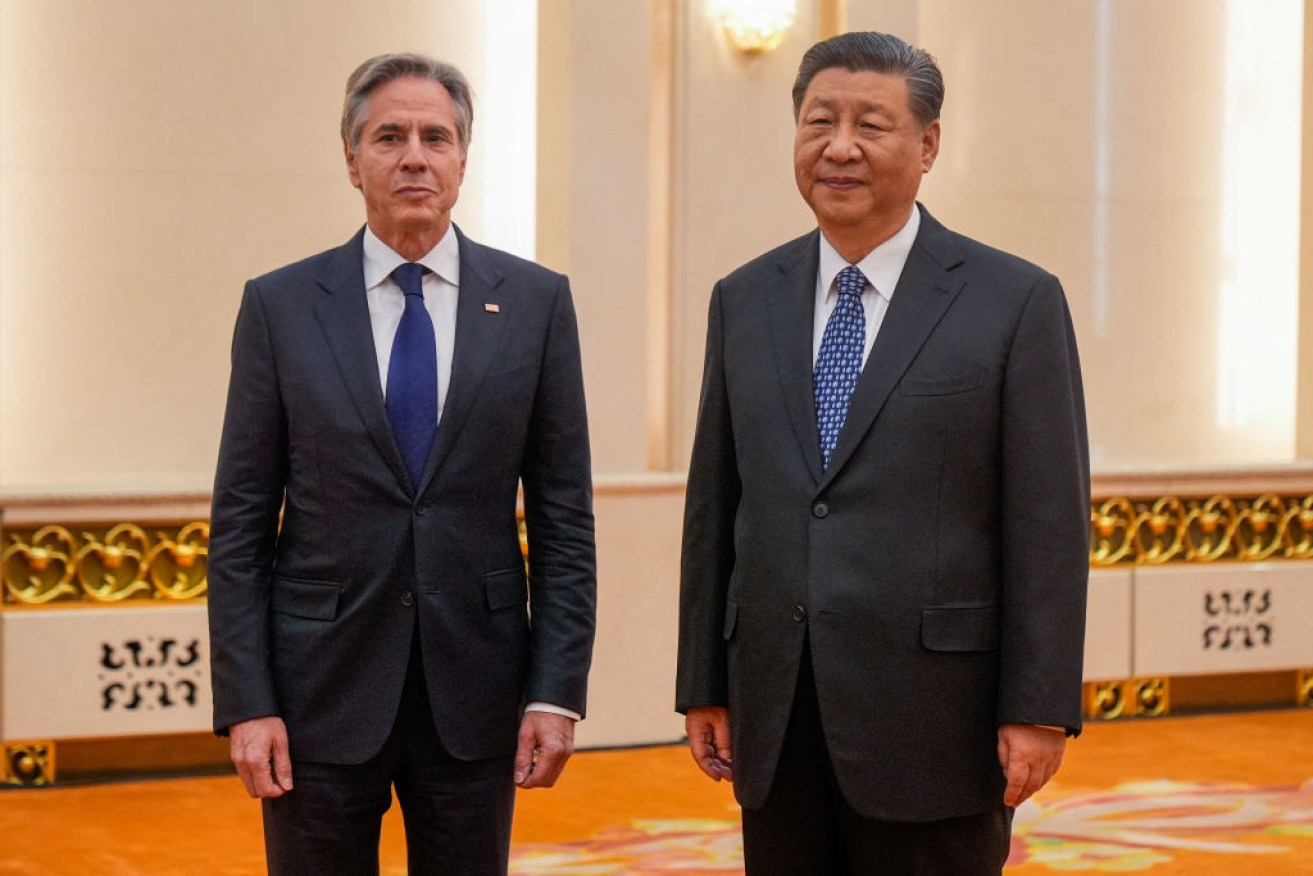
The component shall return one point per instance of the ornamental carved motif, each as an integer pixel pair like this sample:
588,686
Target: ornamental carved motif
1171,529
30,764
126,562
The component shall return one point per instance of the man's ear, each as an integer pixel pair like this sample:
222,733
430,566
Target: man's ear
929,146
352,171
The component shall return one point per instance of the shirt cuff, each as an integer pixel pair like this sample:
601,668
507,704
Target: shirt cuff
553,710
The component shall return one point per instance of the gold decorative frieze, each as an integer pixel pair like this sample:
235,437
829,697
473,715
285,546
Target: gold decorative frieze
123,562
1171,529
28,764
1128,698
1105,700
1152,696
1304,688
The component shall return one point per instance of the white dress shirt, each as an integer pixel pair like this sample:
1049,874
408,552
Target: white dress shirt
387,302
882,268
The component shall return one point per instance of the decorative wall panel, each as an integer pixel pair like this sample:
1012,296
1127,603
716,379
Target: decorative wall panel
130,669
1222,618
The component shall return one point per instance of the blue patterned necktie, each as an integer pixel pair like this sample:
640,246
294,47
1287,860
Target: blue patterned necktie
412,390
839,361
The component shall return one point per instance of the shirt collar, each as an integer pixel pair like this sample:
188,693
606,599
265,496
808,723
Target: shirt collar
380,260
882,265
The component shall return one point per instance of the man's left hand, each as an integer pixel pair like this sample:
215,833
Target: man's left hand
546,743
1030,755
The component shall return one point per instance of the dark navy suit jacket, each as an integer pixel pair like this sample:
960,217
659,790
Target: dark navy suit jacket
312,619
938,567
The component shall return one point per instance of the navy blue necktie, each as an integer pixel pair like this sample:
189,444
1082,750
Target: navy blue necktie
412,390
839,360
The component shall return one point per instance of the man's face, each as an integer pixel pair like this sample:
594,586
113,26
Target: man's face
409,164
859,151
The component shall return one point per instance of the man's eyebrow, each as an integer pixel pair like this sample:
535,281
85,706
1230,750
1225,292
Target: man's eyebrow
864,106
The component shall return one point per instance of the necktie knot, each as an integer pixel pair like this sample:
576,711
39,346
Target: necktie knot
851,281
410,277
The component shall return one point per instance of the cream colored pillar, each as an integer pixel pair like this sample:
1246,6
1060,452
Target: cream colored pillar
734,195
595,220
1304,419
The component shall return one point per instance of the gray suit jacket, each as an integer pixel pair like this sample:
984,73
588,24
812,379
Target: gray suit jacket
312,620
938,567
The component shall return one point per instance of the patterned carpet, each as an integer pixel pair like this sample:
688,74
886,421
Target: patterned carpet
1207,795
1163,827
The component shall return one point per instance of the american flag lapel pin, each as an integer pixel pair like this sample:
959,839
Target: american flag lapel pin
491,308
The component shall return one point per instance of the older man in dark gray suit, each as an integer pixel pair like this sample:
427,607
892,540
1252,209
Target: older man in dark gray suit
388,399
885,544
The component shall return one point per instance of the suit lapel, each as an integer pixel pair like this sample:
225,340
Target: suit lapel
478,337
344,316
790,306
924,292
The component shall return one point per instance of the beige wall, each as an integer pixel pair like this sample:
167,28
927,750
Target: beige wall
153,156
1144,152
1304,423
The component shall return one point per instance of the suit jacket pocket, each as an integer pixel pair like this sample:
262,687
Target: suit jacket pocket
960,628
946,385
316,600
731,617
505,589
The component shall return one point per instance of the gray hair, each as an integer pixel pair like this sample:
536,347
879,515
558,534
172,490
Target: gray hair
383,69
878,53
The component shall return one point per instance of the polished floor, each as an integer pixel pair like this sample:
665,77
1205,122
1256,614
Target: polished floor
1227,794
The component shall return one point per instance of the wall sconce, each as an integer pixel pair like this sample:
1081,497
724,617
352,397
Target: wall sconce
755,26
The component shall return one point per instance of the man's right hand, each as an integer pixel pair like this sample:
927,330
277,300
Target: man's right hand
708,739
259,751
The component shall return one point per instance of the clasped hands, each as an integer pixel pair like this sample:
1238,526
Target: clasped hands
1028,753
260,752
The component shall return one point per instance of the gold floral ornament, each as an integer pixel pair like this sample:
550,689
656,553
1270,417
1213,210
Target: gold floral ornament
178,565
113,568
28,763
1210,528
41,569
1110,532
1304,688
1106,700
1260,528
1160,530
1297,530
1152,696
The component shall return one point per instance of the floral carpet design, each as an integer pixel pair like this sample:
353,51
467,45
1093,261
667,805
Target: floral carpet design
1131,828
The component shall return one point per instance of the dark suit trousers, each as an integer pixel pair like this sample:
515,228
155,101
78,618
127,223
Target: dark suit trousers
457,813
807,827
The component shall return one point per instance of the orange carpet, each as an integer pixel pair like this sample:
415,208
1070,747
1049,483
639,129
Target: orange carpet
1228,794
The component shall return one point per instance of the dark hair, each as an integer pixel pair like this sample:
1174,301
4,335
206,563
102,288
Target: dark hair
879,53
383,69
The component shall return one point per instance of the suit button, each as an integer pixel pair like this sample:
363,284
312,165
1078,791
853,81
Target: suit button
421,509
799,613
820,509
408,599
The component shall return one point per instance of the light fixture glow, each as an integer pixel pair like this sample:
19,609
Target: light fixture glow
755,26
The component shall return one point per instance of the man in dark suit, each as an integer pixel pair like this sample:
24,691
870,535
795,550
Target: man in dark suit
388,399
885,541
